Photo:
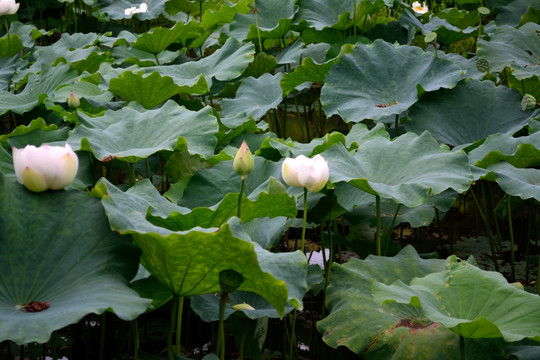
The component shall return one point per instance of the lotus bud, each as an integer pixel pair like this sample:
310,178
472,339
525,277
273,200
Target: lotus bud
45,167
305,172
243,161
73,100
8,7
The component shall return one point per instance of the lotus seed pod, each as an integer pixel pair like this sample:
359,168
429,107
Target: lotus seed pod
230,280
483,11
430,37
482,65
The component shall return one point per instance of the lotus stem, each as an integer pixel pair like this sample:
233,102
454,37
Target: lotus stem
511,231
240,196
396,124
354,18
174,308
131,170
461,347
378,234
179,312
304,221
389,234
258,29
490,235
221,330
292,338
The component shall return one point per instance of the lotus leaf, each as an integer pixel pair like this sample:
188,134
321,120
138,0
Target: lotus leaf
472,302
454,120
166,128
407,169
364,85
49,263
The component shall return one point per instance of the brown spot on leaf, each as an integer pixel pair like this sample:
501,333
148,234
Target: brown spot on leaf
35,306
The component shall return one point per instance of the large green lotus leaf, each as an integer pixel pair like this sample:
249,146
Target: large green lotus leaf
472,302
512,12
8,67
359,323
127,210
51,255
270,199
320,14
132,133
407,169
521,152
453,118
149,91
83,89
251,100
524,183
274,18
199,255
209,186
38,88
70,47
363,84
159,39
127,55
517,48
225,64
114,9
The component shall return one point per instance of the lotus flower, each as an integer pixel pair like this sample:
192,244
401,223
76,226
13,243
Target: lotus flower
45,167
420,9
305,172
8,7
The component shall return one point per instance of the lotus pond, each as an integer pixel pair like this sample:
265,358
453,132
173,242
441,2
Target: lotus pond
269,179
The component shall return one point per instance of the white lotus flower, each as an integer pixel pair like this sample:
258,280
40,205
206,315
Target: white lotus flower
420,9
8,7
143,7
305,172
45,167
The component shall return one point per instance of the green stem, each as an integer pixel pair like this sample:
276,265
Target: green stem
240,196
258,30
157,60
389,234
148,168
304,221
242,344
490,235
396,122
179,323
511,231
131,169
378,234
174,307
6,24
461,347
292,338
221,330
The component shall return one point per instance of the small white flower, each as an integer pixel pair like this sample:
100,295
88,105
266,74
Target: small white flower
45,167
8,7
420,9
304,172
